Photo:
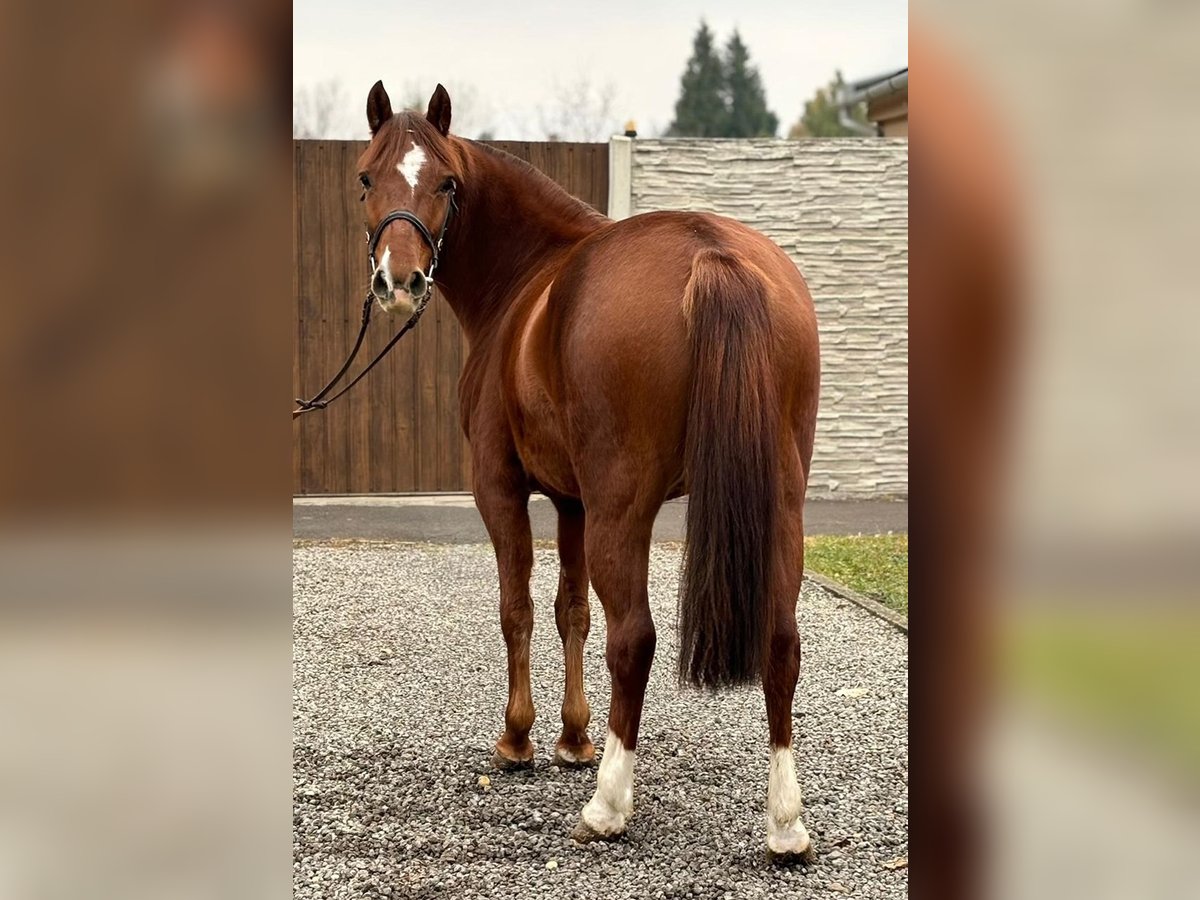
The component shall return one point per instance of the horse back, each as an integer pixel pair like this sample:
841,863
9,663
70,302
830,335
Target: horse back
602,368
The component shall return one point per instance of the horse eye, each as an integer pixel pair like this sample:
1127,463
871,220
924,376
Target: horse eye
446,186
365,181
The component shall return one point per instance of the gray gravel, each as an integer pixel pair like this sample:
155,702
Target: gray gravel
399,694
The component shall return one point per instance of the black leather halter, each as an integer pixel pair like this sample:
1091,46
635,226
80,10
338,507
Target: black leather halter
403,215
373,238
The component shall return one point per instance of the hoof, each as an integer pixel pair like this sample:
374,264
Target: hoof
805,857
585,834
789,843
505,762
575,757
599,821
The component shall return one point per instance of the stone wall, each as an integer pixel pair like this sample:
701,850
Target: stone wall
839,208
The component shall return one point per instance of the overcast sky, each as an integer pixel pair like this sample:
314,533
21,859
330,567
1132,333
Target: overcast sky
507,65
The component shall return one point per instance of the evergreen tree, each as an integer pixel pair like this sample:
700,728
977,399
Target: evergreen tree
820,117
748,113
701,110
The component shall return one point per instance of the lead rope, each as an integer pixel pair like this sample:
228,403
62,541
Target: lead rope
319,401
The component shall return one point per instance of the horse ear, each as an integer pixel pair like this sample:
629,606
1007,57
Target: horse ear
379,107
439,110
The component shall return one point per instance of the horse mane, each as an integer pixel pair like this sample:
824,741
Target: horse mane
550,193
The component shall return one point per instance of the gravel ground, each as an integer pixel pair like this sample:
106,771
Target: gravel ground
399,680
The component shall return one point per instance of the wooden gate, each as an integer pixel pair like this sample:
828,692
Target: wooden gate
398,430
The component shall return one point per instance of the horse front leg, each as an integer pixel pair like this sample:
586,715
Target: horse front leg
504,506
573,617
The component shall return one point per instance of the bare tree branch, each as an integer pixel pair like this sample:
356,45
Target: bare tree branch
580,112
471,116
324,110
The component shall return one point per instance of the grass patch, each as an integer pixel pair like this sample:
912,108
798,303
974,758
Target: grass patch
1130,673
875,565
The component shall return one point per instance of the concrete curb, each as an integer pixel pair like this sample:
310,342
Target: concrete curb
872,606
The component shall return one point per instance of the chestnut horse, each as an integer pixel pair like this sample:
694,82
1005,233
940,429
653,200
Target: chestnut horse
613,366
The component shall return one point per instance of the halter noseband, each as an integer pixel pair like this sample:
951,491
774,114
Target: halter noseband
404,215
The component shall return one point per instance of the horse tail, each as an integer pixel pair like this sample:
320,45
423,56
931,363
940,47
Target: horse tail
731,460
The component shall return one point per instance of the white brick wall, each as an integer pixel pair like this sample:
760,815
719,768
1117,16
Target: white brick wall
839,208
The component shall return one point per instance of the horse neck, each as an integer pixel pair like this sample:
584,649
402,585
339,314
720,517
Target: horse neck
514,224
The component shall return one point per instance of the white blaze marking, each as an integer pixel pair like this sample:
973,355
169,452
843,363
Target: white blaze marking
785,831
383,267
606,812
410,166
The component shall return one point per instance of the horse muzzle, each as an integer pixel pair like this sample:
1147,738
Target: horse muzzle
403,299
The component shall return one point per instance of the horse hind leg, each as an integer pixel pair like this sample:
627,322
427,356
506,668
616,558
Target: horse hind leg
618,551
573,617
787,838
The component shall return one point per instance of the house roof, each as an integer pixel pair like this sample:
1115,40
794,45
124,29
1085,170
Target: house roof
877,86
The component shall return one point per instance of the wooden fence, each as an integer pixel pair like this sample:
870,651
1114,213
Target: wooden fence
398,430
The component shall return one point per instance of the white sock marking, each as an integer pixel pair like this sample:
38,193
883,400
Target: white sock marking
612,803
410,166
785,831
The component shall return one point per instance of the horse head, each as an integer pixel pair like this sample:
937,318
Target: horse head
409,175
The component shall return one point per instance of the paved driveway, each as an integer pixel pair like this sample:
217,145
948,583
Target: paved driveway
452,518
